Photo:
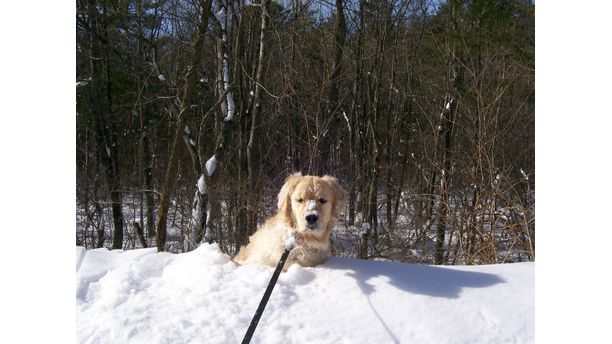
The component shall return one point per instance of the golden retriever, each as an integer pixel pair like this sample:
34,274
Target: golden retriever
308,207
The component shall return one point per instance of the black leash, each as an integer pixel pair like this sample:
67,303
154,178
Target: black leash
266,296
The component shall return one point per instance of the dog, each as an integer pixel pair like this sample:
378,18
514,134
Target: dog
308,208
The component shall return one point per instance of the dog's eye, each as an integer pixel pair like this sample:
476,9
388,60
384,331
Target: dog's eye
299,200
322,200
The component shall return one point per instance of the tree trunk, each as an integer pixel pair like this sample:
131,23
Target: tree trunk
455,78
204,208
255,111
197,220
334,119
144,148
140,233
149,198
107,152
190,82
444,208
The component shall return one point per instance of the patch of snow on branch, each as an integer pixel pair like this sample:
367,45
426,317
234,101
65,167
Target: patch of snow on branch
211,165
230,104
208,211
224,18
365,228
202,185
83,82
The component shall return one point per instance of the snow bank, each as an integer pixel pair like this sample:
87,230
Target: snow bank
142,296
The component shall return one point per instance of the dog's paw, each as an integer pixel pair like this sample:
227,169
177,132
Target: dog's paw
293,239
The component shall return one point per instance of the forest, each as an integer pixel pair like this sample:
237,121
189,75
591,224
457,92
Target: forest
190,114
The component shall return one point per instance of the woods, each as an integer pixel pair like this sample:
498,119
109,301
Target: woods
190,115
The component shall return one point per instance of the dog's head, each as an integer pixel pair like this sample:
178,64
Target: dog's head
311,204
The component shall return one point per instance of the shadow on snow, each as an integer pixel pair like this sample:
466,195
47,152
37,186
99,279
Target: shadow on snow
414,278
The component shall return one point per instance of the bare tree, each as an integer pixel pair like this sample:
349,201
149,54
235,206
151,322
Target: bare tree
106,140
191,79
424,110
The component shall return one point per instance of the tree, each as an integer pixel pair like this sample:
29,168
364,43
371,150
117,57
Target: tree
191,78
101,108
423,110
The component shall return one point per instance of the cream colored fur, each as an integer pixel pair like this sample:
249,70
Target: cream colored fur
299,196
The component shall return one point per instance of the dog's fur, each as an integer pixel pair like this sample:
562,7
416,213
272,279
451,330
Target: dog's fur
299,197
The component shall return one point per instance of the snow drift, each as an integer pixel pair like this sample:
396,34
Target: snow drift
141,296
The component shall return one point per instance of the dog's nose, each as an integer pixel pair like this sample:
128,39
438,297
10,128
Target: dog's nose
311,218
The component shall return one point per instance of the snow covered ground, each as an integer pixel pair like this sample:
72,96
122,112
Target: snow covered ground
141,296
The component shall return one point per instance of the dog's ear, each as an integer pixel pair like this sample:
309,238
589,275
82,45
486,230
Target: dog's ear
339,195
284,201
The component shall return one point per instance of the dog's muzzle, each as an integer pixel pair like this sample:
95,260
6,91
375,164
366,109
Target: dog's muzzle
311,221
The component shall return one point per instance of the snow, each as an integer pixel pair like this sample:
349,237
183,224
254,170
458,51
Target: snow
83,82
208,211
348,123
201,185
365,228
220,14
231,108
311,204
223,20
161,77
211,165
290,241
142,296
